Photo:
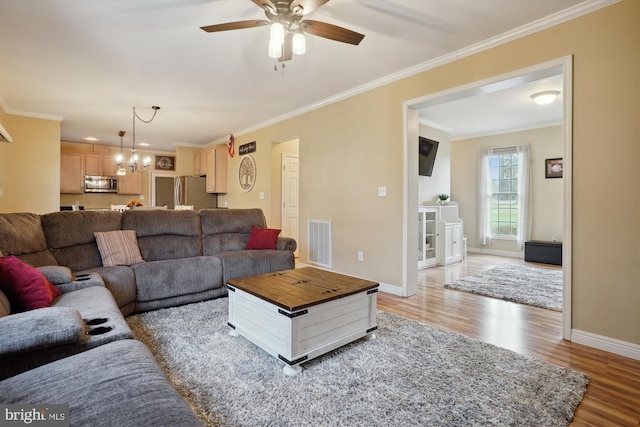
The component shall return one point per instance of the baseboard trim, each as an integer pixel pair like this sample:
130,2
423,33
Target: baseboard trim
390,289
612,345
511,254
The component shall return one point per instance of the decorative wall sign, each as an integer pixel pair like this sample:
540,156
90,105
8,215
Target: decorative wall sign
166,163
247,173
249,147
553,168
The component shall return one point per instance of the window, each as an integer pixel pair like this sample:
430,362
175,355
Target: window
503,195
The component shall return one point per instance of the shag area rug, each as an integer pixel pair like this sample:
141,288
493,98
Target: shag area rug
540,287
410,375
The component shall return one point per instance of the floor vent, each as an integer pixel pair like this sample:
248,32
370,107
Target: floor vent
319,242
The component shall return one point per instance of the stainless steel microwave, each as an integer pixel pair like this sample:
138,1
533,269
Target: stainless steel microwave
100,184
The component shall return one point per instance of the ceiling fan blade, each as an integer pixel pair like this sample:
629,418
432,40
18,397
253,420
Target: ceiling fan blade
333,32
235,25
307,5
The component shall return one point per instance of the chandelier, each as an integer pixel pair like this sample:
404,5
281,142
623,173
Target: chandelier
134,161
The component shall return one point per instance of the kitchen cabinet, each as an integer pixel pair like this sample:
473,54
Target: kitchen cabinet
200,164
216,169
100,165
71,173
131,183
92,164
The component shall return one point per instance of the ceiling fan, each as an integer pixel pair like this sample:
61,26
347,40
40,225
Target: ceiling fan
288,27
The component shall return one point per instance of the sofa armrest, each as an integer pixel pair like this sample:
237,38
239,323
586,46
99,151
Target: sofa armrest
38,329
57,274
286,244
81,281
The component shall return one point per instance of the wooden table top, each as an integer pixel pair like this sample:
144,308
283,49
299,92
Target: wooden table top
301,288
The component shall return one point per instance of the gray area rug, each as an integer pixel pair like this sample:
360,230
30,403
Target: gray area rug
410,375
540,287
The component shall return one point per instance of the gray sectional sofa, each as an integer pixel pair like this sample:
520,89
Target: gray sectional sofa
188,257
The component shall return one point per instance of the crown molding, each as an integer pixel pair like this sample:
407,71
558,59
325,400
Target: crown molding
30,114
523,31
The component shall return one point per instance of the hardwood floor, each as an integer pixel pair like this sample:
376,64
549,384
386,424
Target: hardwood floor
613,394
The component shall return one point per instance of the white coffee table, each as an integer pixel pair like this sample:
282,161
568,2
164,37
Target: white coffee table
297,315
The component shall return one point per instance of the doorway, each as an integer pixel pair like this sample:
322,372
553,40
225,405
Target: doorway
410,196
290,197
162,193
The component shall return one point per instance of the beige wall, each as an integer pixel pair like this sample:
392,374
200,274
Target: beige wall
30,166
546,194
349,148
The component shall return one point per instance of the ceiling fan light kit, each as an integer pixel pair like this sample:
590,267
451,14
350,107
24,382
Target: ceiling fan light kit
287,27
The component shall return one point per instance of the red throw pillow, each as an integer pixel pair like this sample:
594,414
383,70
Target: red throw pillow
263,238
26,288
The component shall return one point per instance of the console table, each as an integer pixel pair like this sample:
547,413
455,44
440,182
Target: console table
544,252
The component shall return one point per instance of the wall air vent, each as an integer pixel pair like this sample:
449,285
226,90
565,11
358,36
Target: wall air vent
4,135
319,242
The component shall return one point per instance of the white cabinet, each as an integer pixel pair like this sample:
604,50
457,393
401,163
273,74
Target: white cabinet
427,237
452,243
440,235
451,232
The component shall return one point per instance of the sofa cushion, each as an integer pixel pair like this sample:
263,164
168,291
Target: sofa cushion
119,384
164,233
121,282
118,247
263,238
236,264
25,286
170,278
21,234
228,229
70,236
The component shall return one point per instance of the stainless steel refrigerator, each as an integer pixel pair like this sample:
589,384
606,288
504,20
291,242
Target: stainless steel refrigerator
191,190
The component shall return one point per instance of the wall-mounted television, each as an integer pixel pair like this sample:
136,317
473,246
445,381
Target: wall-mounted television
427,149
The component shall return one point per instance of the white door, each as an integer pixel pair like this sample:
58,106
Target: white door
290,196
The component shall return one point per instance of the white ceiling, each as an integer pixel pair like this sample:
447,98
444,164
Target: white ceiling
89,62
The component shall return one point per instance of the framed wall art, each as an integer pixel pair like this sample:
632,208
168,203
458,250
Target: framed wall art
166,163
247,173
553,168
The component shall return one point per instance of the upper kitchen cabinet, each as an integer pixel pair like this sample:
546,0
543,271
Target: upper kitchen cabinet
200,164
213,163
131,183
96,164
72,173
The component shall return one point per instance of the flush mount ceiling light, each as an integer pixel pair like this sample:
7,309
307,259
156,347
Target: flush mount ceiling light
546,97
